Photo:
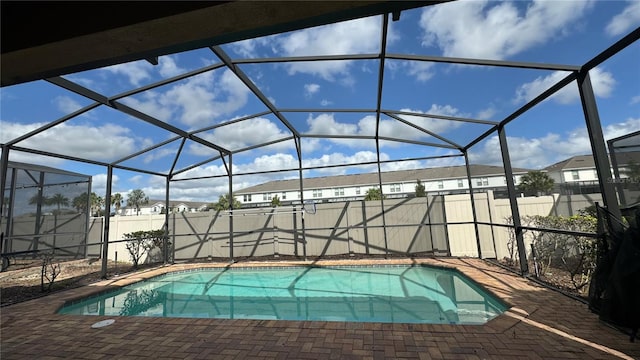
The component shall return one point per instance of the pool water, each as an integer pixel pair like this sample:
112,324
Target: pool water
393,294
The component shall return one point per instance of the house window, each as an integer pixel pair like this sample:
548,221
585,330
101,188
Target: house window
246,198
460,183
264,197
338,191
358,190
284,196
575,175
440,184
317,193
394,188
482,181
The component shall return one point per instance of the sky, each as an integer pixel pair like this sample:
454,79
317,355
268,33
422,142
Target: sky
553,32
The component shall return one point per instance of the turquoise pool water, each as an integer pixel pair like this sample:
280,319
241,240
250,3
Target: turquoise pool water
394,294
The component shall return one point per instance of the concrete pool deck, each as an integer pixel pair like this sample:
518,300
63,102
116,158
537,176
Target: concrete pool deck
541,324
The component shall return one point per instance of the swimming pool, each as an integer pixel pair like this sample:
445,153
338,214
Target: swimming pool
389,294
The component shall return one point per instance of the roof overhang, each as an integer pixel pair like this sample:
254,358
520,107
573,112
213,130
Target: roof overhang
51,38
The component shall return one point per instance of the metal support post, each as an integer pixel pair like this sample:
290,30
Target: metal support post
513,201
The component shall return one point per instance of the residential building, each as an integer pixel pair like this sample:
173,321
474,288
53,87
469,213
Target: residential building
575,175
395,184
578,175
156,207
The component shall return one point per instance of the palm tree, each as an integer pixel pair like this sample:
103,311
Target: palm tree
223,203
116,201
374,194
59,200
96,204
275,201
35,198
536,182
80,202
136,198
420,192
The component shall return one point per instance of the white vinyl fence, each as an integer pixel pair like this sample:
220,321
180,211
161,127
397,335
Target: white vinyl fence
439,225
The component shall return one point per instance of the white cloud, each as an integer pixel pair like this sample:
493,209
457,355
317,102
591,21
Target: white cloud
422,71
310,89
270,162
99,184
66,104
402,165
530,153
326,102
602,82
356,160
496,30
486,114
84,81
635,100
355,36
243,134
309,145
437,126
618,129
628,19
201,171
349,37
161,153
168,67
250,48
149,103
536,153
210,189
136,179
327,124
204,98
135,72
76,140
448,161
19,156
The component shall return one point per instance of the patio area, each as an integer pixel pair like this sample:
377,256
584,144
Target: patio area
541,324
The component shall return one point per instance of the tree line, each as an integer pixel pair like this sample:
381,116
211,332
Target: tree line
91,202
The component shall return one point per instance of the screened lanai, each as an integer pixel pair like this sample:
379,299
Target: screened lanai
186,109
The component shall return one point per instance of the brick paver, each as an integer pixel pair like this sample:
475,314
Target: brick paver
541,324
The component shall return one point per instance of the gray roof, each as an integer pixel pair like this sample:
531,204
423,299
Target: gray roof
574,162
587,161
371,179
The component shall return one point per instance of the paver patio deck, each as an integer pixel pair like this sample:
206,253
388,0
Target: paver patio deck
541,324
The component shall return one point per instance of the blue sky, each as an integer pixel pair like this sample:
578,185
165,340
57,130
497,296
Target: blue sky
559,32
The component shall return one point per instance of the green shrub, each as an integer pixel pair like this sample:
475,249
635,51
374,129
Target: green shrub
573,253
140,243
